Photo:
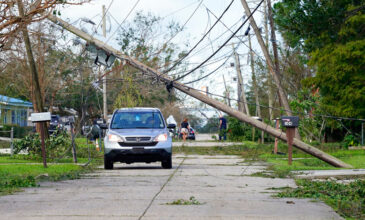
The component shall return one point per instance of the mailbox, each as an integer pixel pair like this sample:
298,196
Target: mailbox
41,117
290,121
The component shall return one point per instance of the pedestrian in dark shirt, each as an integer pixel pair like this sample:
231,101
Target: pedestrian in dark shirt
222,128
185,128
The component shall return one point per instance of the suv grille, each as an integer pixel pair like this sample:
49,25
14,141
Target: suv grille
136,144
138,139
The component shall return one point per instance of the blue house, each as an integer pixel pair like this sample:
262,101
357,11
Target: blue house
14,111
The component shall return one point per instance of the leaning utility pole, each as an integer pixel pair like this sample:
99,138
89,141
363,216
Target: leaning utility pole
33,69
240,88
269,77
273,38
170,83
105,106
274,73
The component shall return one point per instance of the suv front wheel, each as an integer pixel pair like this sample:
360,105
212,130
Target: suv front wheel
167,164
108,164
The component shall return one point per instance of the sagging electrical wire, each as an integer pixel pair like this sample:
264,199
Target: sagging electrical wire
260,57
120,24
201,39
206,60
173,36
103,16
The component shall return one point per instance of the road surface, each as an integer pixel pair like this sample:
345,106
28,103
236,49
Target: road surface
143,191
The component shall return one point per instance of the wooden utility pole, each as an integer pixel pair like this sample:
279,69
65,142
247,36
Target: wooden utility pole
254,85
273,38
32,65
275,50
198,95
33,69
242,101
269,77
228,100
274,73
105,104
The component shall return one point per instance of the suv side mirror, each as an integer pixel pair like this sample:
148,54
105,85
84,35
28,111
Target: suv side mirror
171,126
103,126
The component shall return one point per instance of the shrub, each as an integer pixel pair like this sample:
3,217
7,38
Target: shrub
56,145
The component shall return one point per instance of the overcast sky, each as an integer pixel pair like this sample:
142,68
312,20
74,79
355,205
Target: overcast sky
180,11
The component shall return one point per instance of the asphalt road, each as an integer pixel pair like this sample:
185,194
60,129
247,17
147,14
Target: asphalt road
142,191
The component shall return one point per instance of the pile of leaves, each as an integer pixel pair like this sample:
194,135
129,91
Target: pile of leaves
192,201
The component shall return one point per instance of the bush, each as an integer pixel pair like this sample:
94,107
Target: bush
349,140
56,145
239,131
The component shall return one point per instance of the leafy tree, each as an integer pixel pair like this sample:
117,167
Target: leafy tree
144,39
332,32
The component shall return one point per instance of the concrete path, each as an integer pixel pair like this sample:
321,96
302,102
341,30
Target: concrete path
142,191
204,144
325,174
205,137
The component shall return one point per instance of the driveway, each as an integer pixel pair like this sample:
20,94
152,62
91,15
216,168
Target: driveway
142,191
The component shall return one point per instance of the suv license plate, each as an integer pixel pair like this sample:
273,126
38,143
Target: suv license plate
138,149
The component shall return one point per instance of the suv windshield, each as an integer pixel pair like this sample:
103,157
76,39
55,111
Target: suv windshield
54,118
130,120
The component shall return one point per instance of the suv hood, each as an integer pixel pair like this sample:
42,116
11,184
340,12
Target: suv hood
137,132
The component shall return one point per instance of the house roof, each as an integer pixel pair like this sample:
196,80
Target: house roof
14,102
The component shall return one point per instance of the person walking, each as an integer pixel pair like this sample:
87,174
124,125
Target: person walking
222,127
185,128
93,134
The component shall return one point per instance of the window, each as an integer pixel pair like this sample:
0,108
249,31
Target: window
13,117
23,118
5,116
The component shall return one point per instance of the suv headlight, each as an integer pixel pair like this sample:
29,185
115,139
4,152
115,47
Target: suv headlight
161,138
114,138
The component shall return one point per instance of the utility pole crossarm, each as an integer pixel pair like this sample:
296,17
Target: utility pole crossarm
204,98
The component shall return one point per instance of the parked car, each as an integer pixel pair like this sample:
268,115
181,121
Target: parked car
55,124
191,135
138,135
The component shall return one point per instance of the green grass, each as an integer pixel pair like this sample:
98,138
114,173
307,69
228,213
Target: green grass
346,199
279,163
27,170
15,176
18,159
7,159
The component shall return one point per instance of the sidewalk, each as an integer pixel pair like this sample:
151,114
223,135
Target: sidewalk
326,174
204,144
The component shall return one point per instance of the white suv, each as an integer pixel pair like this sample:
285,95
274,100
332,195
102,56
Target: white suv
138,135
